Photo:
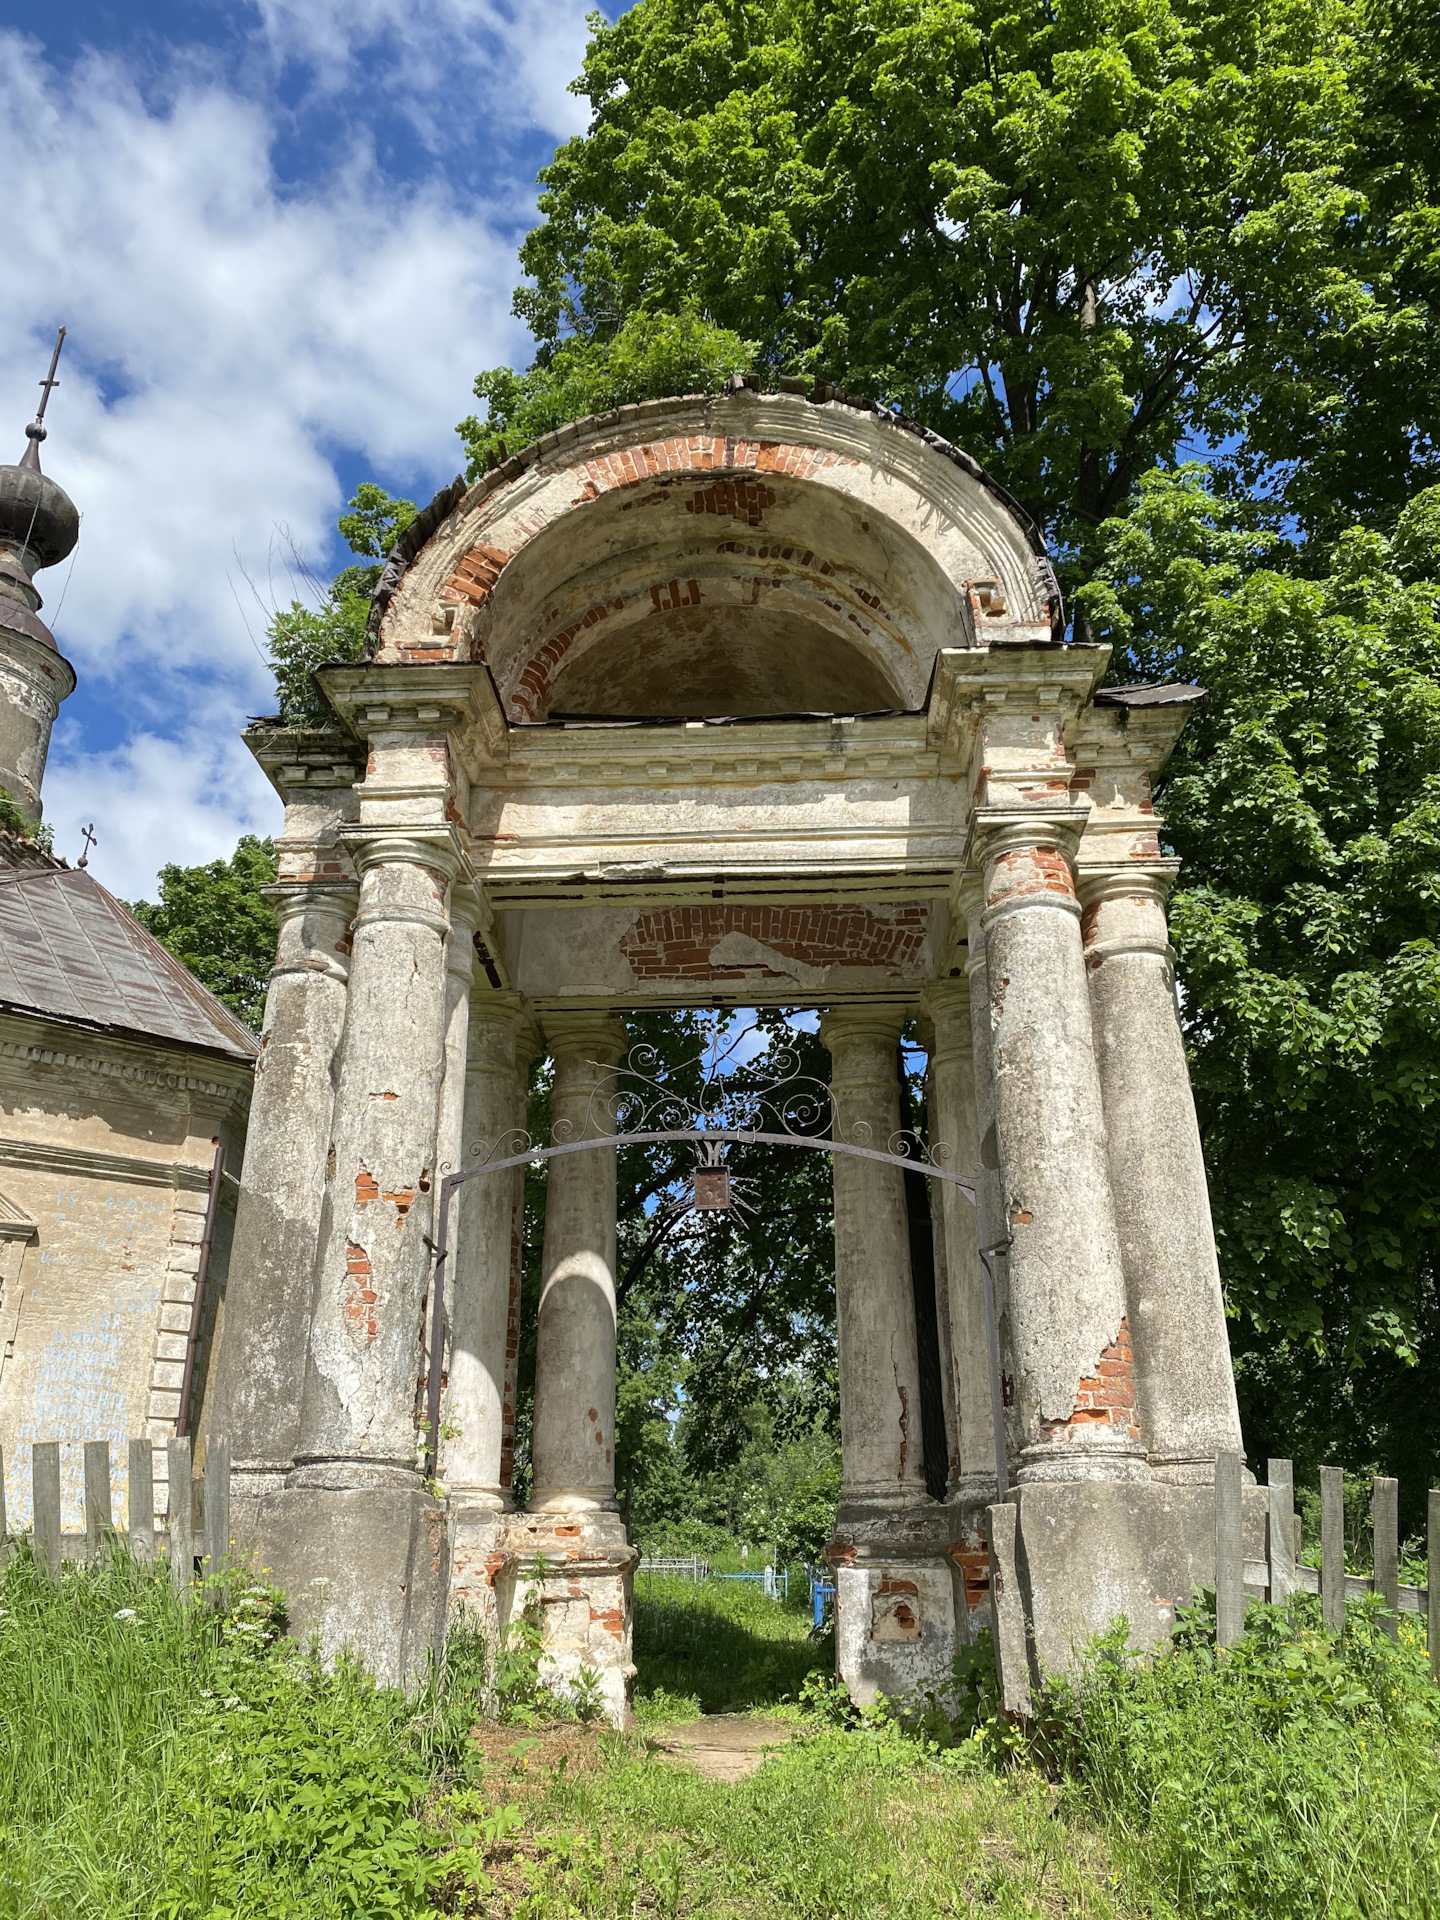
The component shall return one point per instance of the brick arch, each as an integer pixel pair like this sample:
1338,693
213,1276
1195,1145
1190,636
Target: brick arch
877,531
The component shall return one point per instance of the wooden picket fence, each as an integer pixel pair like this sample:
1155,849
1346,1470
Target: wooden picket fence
146,1541
1238,1581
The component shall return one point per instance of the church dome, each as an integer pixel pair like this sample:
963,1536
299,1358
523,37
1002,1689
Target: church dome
38,519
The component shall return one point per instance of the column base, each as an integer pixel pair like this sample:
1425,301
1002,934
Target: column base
1196,1472
364,1570
576,1570
250,1488
1089,1553
899,1601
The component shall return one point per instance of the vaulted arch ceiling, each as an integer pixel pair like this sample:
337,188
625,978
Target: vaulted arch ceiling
745,555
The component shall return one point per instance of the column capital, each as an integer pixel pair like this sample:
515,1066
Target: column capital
465,911
1028,859
585,1035
308,914
499,1007
996,831
946,1004
1123,911
843,1027
1137,880
436,847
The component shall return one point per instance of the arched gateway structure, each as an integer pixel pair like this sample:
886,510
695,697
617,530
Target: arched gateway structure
724,702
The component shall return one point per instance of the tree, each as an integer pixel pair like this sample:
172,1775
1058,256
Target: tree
1305,802
645,357
1067,237
302,638
216,920
717,1313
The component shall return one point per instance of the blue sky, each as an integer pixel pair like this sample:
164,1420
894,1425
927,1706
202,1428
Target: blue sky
282,234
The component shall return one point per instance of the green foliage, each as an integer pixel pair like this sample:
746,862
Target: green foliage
1304,800
154,1762
12,820
647,356
723,1642
1289,1776
1067,237
301,638
216,920
375,521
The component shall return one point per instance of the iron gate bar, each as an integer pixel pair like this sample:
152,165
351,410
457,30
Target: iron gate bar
700,1136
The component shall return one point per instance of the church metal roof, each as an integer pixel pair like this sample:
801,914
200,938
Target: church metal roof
71,951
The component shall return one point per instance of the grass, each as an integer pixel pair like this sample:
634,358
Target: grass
158,1762
834,1824
720,1647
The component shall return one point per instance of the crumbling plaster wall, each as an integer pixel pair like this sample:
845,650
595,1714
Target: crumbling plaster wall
106,1144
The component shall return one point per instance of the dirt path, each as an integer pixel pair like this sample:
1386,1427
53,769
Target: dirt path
722,1746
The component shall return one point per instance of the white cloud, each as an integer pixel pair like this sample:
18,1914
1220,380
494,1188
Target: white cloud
185,797
507,60
231,337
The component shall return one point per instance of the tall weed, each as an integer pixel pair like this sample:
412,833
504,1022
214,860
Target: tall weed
1293,1775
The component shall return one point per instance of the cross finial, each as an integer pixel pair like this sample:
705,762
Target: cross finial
88,832
35,432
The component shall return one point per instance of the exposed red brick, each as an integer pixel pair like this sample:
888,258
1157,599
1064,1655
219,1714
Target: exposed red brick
360,1296
367,1187
674,943
1106,1397
1030,871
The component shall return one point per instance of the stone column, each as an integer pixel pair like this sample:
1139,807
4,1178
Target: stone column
884,1465
459,975
267,1311
488,1220
1185,1385
573,1448
895,1612
1069,1327
573,1524
952,1068
355,1507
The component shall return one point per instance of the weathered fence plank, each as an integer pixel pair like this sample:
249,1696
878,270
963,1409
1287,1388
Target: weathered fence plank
1332,1548
98,1521
217,1513
1385,1519
45,1482
1229,1556
140,1514
1432,1574
182,1546
1280,1477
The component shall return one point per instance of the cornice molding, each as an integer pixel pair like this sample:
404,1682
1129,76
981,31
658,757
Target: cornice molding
120,1064
91,1163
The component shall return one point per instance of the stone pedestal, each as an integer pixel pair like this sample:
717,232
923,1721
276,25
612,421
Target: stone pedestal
575,1572
355,1510
267,1311
1091,1552
1185,1385
894,1585
1069,1330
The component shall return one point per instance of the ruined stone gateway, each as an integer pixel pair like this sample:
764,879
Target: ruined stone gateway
735,701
